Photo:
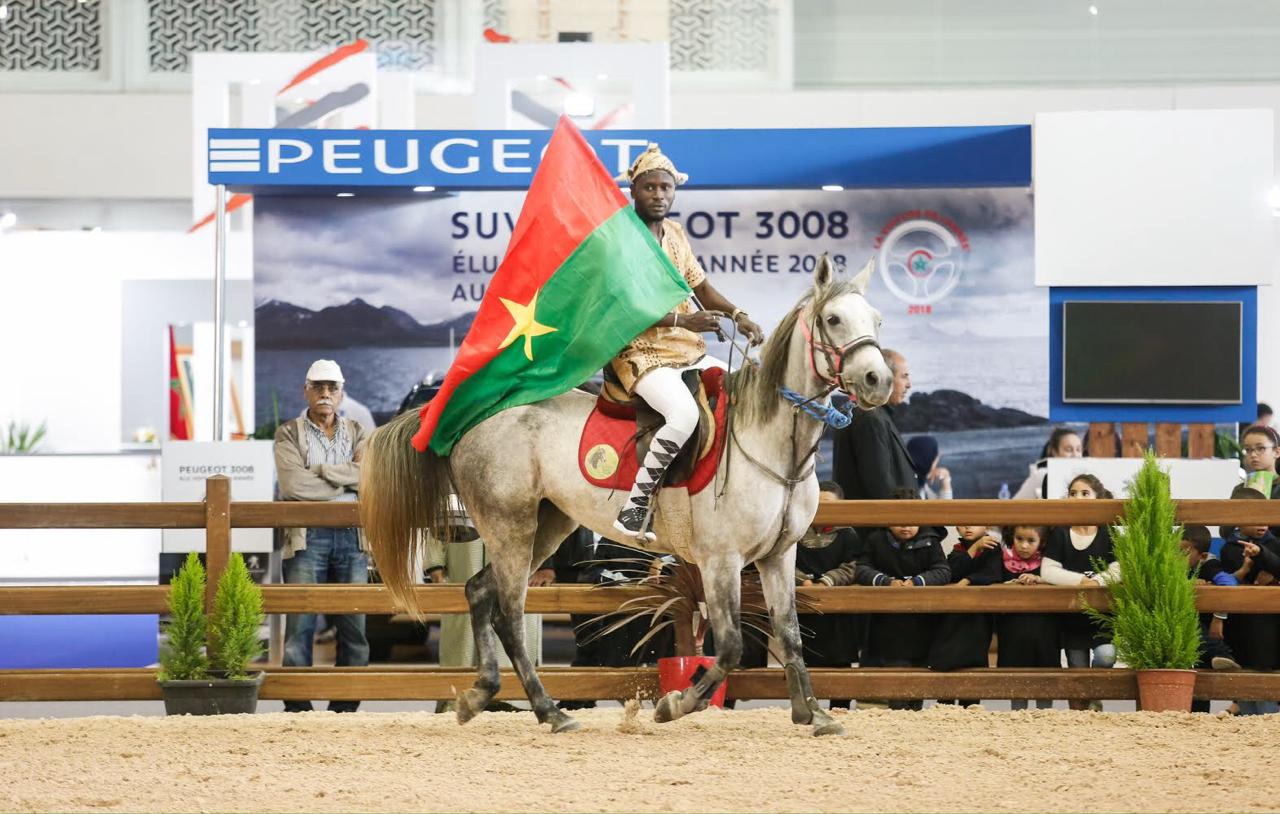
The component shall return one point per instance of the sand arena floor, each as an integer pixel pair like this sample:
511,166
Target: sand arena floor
943,759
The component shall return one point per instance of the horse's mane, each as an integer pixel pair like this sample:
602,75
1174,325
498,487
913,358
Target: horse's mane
755,389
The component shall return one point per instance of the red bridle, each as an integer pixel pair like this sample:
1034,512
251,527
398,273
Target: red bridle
834,354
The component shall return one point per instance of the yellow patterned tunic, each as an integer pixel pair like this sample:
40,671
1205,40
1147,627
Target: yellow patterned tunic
665,347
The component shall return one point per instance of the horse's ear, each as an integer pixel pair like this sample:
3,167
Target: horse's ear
824,271
862,281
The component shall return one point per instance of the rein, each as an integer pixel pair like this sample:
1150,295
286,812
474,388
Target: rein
831,416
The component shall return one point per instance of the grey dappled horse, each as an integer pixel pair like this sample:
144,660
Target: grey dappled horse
517,474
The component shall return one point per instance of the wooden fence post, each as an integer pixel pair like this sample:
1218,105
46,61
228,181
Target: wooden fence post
1135,437
217,532
1102,440
1169,440
1200,441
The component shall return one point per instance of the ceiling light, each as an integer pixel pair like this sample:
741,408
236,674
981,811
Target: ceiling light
832,188
346,195
8,220
602,76
255,81
424,189
1093,10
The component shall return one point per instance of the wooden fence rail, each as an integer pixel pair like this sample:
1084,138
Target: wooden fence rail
280,514
218,515
42,600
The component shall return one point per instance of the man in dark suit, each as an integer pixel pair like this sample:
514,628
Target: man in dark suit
871,460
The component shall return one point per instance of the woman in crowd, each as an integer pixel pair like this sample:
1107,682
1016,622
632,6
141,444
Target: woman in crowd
1025,639
1063,442
1069,559
933,481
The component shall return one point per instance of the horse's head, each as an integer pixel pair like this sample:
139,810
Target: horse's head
843,332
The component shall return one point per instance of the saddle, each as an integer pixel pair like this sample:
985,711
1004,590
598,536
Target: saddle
619,430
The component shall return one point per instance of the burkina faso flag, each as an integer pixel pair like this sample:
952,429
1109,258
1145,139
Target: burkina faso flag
581,278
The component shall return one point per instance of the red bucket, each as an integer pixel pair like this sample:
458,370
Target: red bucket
676,673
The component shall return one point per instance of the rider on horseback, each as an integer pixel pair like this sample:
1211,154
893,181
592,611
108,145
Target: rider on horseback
651,366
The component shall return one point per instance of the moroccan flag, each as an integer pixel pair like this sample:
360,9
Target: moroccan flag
581,278
177,416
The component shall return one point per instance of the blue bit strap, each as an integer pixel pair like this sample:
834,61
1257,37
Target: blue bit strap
828,414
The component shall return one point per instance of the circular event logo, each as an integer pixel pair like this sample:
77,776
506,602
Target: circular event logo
921,256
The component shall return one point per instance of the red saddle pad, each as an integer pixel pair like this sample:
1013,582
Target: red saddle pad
607,450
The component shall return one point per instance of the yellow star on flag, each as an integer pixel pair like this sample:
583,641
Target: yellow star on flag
526,325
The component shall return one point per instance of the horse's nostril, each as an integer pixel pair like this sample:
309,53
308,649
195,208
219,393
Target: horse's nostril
872,379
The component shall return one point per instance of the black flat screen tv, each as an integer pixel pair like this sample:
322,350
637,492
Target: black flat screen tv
1151,352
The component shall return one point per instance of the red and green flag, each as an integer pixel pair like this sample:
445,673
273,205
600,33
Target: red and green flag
581,278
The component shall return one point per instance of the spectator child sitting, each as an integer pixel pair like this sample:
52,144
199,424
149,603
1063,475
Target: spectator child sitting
1025,639
1208,570
964,639
829,556
902,557
1259,453
1069,557
1252,555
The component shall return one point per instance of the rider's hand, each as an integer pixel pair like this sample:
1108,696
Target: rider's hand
751,329
700,322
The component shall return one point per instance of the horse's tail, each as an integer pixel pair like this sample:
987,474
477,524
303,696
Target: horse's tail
404,494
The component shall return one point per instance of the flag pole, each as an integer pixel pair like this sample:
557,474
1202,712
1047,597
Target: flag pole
219,305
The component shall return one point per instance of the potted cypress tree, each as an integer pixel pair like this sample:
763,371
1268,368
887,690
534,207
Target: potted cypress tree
212,679
1153,620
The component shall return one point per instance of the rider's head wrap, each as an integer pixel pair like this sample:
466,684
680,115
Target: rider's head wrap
652,159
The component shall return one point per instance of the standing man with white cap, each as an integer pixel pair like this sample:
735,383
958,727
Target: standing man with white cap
318,458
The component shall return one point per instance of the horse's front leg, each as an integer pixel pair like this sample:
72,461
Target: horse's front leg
722,583
777,580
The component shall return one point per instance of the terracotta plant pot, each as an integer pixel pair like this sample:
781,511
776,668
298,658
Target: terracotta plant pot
212,696
1166,690
676,673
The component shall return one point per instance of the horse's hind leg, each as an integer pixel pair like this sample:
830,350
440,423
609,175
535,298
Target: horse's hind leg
482,596
512,561
722,583
777,579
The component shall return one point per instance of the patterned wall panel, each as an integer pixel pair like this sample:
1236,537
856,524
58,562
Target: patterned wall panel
721,35
402,31
51,35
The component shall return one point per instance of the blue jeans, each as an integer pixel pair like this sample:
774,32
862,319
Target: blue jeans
331,555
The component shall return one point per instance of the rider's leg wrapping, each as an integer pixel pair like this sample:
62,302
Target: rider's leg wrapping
664,391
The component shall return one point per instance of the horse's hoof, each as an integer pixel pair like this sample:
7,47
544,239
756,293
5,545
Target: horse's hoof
668,708
564,724
830,727
471,703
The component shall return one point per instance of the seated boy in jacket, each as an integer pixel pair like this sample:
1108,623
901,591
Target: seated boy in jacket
902,557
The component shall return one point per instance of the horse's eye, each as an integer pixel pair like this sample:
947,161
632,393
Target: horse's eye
833,320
